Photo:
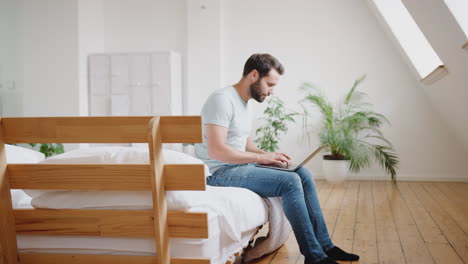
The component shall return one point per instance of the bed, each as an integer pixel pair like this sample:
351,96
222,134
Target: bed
158,231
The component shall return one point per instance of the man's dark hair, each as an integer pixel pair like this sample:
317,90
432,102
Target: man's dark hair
263,63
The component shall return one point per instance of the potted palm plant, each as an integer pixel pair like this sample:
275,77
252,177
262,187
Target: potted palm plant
352,134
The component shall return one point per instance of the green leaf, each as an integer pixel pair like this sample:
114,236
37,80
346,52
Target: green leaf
350,93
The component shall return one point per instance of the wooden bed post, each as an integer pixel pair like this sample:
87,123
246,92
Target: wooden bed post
161,230
8,247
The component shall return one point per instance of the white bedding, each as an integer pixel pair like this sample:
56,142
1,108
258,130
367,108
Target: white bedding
234,213
228,217
218,247
238,209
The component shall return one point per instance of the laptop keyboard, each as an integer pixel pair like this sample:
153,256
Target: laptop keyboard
279,166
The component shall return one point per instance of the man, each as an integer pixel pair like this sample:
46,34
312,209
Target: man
231,155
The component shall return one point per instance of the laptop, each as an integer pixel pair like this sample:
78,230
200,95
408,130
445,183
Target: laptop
292,167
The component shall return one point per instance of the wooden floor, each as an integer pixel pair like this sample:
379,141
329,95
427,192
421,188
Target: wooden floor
410,222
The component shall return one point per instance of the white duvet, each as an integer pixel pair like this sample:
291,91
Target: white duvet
231,224
234,213
238,209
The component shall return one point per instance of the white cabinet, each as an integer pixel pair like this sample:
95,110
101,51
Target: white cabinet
135,84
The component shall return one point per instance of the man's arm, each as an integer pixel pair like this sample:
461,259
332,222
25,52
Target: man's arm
252,147
219,150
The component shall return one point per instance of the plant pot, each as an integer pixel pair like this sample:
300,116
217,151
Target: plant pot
335,170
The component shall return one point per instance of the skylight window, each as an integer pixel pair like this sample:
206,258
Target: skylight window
459,9
411,39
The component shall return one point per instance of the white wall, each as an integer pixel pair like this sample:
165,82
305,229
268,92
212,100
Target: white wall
10,96
331,43
136,26
90,40
48,48
144,25
55,37
204,51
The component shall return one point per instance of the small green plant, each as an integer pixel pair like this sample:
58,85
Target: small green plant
275,125
352,132
49,149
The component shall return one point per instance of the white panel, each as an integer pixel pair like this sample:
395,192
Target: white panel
119,105
119,74
162,88
140,101
140,84
176,84
99,105
140,73
99,74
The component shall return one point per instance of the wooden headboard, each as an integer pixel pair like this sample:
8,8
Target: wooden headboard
156,176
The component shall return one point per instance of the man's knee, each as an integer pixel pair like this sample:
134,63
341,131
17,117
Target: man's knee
305,174
293,181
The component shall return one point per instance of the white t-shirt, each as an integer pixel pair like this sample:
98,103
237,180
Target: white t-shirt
225,107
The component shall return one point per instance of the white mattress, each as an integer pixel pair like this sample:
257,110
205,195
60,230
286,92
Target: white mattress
228,233
218,247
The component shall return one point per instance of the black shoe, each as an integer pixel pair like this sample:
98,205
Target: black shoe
327,260
337,253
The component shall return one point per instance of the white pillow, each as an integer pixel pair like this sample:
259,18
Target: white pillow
20,199
15,154
112,155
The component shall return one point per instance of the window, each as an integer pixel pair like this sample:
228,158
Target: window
459,9
412,40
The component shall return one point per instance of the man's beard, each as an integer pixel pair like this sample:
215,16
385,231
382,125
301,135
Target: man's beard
255,92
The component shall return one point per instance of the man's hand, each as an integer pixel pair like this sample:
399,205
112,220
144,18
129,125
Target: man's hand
219,150
274,158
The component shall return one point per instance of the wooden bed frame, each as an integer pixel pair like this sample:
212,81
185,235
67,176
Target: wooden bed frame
156,176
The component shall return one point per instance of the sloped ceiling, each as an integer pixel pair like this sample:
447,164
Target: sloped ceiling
448,95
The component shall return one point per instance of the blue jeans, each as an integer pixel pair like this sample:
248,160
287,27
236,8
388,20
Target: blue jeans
298,194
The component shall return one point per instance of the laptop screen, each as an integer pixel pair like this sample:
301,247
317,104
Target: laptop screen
312,155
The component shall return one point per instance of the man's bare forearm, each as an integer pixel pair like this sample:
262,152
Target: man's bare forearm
229,154
256,150
252,147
